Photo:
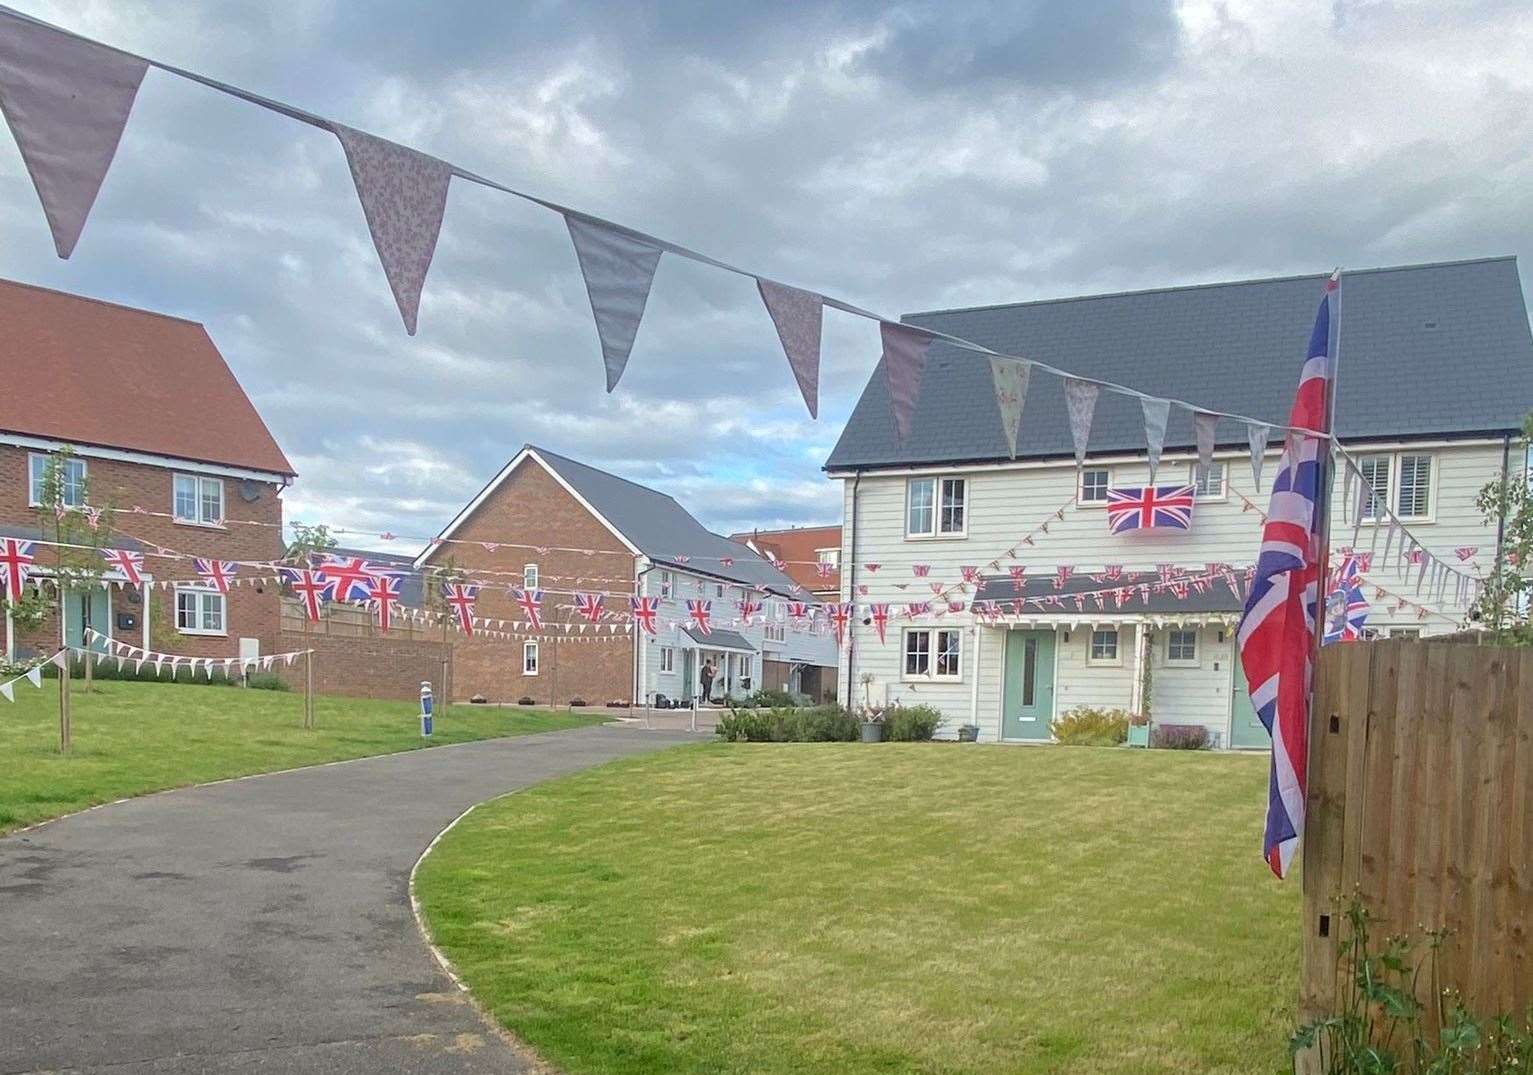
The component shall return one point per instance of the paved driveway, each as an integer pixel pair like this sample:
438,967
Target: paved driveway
257,924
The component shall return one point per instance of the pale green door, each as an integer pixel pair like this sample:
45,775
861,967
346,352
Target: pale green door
1246,729
1027,702
82,609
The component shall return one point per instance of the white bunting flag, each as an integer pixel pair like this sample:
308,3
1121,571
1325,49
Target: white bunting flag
1011,381
1204,426
404,194
1256,437
8,692
67,102
1156,413
618,270
1081,400
904,363
35,673
799,317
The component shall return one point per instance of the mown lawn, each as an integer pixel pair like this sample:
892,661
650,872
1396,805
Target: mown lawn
851,909
132,738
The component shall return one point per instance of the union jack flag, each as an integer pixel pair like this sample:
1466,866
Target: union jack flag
217,572
872,569
840,616
382,596
914,609
880,614
701,614
589,606
531,602
1277,629
350,578
824,570
1346,609
646,611
798,610
1151,507
969,574
1465,553
749,610
1062,575
726,561
1018,574
460,597
15,561
131,564
921,570
311,589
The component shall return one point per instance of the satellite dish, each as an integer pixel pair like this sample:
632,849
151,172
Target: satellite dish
250,491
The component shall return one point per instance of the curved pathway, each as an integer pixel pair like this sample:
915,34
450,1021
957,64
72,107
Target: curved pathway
261,923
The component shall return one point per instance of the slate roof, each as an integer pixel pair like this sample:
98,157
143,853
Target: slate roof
1217,598
720,638
661,528
92,372
1439,349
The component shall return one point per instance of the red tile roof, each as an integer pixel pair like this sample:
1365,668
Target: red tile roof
799,547
92,372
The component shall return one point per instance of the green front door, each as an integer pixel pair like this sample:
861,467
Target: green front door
1027,703
86,608
1246,729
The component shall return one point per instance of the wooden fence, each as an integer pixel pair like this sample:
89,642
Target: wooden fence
1421,802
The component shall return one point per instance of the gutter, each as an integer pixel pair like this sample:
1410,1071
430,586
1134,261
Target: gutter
851,587
638,632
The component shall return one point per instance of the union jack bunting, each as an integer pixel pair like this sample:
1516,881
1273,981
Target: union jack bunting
824,570
646,612
880,614
1465,553
914,609
349,577
460,597
701,614
1277,629
726,561
682,559
1417,555
1113,572
970,574
921,570
589,606
92,517
1346,608
1018,573
15,563
840,616
216,572
781,565
131,564
1151,507
749,610
311,589
872,569
531,602
382,597
1062,575
798,610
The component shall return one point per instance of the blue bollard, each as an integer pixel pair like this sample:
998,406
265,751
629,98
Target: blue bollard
426,707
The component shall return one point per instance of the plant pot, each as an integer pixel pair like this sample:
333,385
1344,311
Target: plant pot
968,733
872,731
1138,735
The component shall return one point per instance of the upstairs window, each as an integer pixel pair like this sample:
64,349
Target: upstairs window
71,480
667,584
935,507
1208,482
198,500
1401,482
667,659
1375,470
829,557
1413,499
1094,485
530,577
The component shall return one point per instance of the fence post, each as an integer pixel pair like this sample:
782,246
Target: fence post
308,689
64,703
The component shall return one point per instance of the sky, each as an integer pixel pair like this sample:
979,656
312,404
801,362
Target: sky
902,157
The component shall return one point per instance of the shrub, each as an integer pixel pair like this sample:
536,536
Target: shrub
822,724
267,681
525,700
1179,737
1090,727
911,724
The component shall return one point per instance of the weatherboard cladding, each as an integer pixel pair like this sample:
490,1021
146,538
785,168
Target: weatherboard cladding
662,529
1439,349
1215,597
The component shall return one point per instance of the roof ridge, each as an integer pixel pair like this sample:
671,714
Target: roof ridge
102,302
1208,286
615,477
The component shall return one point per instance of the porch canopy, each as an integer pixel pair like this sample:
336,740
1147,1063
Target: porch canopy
1134,596
720,639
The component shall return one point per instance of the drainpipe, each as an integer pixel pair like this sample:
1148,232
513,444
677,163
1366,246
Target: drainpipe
851,589
638,632
1506,463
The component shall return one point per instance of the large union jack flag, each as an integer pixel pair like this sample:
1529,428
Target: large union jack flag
589,606
460,597
15,562
701,614
646,612
128,563
350,578
383,598
217,573
1277,630
1151,507
310,587
1346,609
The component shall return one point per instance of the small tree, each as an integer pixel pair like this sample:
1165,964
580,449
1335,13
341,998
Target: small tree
1503,604
308,544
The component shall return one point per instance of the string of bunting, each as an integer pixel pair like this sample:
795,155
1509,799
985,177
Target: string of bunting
125,653
67,99
33,675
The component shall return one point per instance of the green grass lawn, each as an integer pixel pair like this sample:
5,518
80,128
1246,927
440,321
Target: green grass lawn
132,738
851,909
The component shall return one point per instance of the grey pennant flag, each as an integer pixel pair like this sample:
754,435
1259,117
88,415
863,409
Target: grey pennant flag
904,363
404,194
1256,437
1203,428
799,316
1081,400
1156,413
67,102
1011,380
618,271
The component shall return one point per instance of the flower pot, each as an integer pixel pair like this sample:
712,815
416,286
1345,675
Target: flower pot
968,733
872,731
1138,735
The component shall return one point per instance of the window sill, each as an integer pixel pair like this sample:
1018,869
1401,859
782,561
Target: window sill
199,525
1079,503
958,536
202,633
1182,664
931,679
1104,663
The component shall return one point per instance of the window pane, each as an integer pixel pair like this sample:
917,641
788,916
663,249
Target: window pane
920,516
530,577
947,653
1208,481
1182,646
917,652
38,471
72,482
953,490
1029,670
212,500
530,658
186,497
1104,645
1375,484
186,611
1093,486
1415,486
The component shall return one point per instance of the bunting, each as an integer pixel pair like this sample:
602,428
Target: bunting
1011,381
1081,401
619,269
904,363
798,316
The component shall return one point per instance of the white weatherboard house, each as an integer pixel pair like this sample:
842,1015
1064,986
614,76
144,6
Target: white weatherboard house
1436,374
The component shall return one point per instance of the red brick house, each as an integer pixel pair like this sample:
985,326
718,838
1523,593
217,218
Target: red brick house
812,555
155,421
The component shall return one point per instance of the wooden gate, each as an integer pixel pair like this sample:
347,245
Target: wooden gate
1421,801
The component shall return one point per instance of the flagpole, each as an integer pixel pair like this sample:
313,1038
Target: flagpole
1327,479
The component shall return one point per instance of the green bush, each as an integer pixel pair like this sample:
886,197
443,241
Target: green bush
911,724
822,724
1179,737
267,681
1086,726
768,698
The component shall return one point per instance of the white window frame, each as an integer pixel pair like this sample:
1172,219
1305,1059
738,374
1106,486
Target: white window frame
938,530
1116,660
36,459
1403,632
667,660
743,664
531,659
933,639
200,482
667,585
1391,496
1224,481
205,595
828,556
529,576
718,591
1080,487
1184,661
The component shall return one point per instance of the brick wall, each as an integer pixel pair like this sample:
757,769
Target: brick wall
250,612
364,667
532,508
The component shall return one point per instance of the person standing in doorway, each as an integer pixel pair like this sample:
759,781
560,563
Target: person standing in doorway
707,674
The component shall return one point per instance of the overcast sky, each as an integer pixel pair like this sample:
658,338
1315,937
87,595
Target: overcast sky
908,157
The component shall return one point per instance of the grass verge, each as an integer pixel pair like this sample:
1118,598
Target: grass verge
132,738
920,908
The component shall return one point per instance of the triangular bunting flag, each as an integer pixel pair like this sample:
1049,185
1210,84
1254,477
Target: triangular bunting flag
5,689
904,363
1204,426
799,317
1081,399
618,271
67,102
35,675
404,194
1256,437
1156,413
1011,380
